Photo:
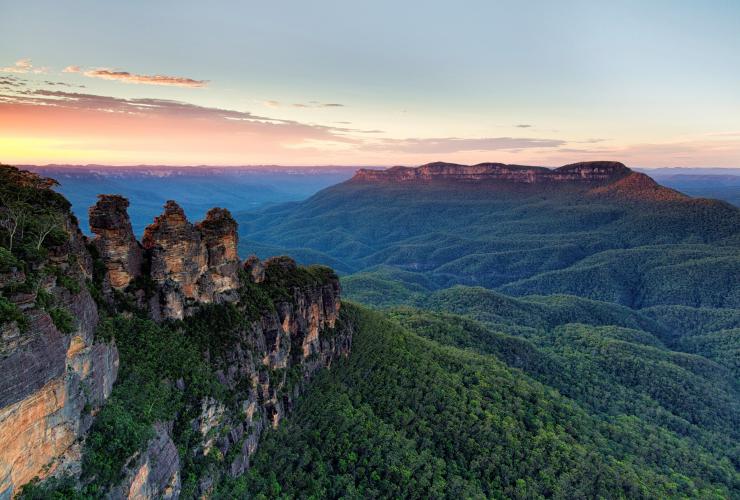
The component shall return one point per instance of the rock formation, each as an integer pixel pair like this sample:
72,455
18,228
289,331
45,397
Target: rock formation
595,172
115,241
191,263
219,233
182,264
300,337
56,378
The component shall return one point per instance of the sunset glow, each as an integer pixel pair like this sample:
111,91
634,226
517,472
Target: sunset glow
247,95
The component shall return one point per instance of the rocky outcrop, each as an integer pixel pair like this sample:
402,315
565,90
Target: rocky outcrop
189,263
115,241
182,264
271,360
56,376
588,173
52,378
220,237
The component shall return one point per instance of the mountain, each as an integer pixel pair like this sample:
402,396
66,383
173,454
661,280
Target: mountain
720,183
595,229
148,187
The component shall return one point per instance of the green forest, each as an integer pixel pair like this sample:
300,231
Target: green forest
435,406
622,317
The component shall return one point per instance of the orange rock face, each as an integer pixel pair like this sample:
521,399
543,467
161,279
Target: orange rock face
30,438
593,172
43,400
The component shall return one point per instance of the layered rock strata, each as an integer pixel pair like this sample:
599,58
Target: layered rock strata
115,241
595,172
51,381
182,264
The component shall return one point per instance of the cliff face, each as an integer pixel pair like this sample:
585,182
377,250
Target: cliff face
264,364
597,172
54,375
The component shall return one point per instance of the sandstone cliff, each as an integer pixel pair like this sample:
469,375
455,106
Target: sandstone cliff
595,172
121,253
53,374
282,327
181,264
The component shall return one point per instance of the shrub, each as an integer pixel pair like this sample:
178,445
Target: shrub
10,312
62,319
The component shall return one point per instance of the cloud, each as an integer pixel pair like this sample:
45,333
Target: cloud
455,144
314,104
310,104
127,77
23,66
11,81
523,125
592,140
50,124
58,84
72,69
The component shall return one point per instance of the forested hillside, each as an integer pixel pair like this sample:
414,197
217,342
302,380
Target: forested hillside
434,406
620,242
533,342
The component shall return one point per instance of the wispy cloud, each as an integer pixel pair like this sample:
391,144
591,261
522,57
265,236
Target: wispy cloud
523,125
54,123
128,77
11,81
23,66
310,104
445,145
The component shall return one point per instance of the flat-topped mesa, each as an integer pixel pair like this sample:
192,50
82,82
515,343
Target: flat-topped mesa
115,240
590,173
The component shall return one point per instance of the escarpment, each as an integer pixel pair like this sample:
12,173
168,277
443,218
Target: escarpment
261,331
54,374
593,172
592,178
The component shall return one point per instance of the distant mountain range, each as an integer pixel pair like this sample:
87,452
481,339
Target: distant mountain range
598,230
246,188
196,188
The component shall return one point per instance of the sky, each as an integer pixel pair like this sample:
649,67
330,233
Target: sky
650,83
